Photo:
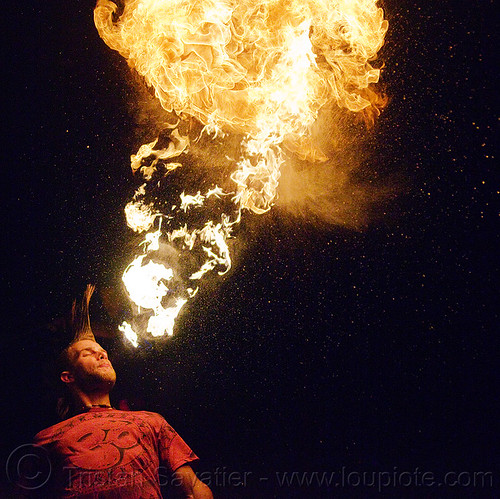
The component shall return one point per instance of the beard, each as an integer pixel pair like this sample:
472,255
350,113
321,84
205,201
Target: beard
95,380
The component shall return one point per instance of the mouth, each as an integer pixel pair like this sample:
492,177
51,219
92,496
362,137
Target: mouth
105,365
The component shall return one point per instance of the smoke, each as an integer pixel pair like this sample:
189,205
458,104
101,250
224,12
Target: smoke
340,190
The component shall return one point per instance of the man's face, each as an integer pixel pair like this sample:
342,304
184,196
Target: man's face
91,368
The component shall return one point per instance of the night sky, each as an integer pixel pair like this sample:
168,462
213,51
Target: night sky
325,346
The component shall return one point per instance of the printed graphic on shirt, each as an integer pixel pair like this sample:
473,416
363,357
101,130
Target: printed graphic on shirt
114,450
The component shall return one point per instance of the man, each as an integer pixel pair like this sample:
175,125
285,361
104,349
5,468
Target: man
101,452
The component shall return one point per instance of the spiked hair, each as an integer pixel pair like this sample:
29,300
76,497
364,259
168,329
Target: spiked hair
79,327
80,319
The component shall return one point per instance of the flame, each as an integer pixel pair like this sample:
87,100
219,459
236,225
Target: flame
257,69
129,333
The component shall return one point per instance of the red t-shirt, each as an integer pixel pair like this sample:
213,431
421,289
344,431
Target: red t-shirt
108,453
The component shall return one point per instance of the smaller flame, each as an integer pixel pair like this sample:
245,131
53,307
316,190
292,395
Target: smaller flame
129,333
145,284
187,201
158,290
163,321
147,287
140,217
177,145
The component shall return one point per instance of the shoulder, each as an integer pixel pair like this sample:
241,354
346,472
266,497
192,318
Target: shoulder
152,419
157,421
55,431
146,416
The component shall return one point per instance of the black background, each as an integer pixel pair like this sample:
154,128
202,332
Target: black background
325,347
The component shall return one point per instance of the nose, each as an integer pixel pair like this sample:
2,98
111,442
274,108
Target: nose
102,355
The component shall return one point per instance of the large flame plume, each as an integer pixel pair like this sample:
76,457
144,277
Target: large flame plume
260,70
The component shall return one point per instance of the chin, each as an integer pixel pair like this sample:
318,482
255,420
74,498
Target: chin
111,378
107,372
106,378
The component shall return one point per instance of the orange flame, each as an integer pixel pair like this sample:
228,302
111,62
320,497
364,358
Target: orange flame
231,64
262,69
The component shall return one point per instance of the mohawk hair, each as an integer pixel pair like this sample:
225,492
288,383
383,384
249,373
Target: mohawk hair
80,319
79,326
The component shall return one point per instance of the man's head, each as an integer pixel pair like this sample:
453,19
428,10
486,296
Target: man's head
86,368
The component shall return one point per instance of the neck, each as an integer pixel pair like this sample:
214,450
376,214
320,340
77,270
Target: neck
87,400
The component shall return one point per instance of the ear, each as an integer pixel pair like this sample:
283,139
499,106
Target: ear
67,377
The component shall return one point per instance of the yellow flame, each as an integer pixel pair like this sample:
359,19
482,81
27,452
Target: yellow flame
261,69
129,333
232,62
145,284
178,144
140,217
